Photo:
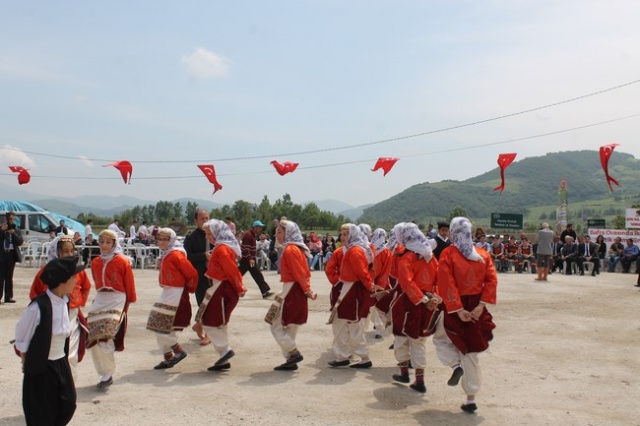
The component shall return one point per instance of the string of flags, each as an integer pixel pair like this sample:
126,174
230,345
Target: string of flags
383,163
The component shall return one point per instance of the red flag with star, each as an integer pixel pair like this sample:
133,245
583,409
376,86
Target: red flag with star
210,172
503,162
385,163
605,154
125,168
284,168
23,175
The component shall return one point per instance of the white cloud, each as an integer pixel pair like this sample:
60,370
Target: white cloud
203,63
12,156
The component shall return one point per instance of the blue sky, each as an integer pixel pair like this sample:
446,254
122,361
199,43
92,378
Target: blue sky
169,85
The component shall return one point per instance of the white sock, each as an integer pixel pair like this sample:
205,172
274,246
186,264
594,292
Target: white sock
105,377
470,401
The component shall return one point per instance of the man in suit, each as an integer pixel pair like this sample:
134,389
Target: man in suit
556,256
569,254
62,229
588,252
442,239
11,240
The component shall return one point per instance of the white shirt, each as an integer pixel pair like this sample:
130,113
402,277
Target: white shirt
87,230
132,231
60,328
144,229
113,227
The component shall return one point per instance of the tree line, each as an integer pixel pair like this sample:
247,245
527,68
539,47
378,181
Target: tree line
243,214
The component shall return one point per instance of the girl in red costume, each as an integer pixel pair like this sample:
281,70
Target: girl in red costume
351,300
226,289
412,311
467,282
381,268
107,317
291,303
172,312
63,246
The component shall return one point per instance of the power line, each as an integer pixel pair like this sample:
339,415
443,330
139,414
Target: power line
344,147
369,160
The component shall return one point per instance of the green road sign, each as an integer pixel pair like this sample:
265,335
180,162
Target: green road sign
507,221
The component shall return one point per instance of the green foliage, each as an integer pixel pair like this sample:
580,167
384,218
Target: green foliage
619,222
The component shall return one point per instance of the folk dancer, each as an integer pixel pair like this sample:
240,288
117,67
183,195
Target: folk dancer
226,288
467,281
172,312
291,309
42,341
107,317
381,268
413,311
63,247
351,300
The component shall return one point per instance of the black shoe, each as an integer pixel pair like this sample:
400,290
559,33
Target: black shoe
367,364
267,295
178,357
295,358
418,387
455,376
167,363
226,357
593,274
286,367
582,273
105,383
10,301
637,285
469,408
220,367
401,378
336,364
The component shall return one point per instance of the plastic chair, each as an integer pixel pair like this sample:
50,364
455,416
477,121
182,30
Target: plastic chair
33,251
42,258
142,254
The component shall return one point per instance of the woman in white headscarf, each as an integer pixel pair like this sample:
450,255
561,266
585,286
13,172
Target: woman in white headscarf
381,268
107,317
467,281
414,308
226,290
172,312
351,300
290,308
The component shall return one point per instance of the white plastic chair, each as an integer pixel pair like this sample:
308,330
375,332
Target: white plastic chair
44,253
141,254
33,251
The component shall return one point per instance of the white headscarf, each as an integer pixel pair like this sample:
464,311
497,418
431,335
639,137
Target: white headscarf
393,237
223,235
410,236
460,231
116,249
174,244
357,238
53,249
366,230
292,235
379,240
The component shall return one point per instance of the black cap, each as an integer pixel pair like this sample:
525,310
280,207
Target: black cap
58,271
443,225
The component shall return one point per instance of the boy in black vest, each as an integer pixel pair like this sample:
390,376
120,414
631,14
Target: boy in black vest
42,341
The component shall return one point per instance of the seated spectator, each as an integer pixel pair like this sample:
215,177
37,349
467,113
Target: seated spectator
615,252
77,239
142,238
91,249
569,254
602,247
482,243
262,250
328,247
588,252
630,255
315,247
556,255
511,253
497,254
525,252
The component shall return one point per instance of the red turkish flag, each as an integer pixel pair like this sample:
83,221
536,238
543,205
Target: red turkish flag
210,172
23,174
126,170
503,161
384,163
284,168
605,153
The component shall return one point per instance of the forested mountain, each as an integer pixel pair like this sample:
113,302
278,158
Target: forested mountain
530,183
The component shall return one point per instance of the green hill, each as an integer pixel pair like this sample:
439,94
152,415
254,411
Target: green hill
531,189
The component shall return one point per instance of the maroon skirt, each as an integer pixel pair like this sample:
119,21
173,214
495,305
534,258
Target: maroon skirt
470,336
384,304
183,314
411,320
356,303
222,303
295,307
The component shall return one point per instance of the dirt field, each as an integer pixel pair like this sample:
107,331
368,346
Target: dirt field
564,353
